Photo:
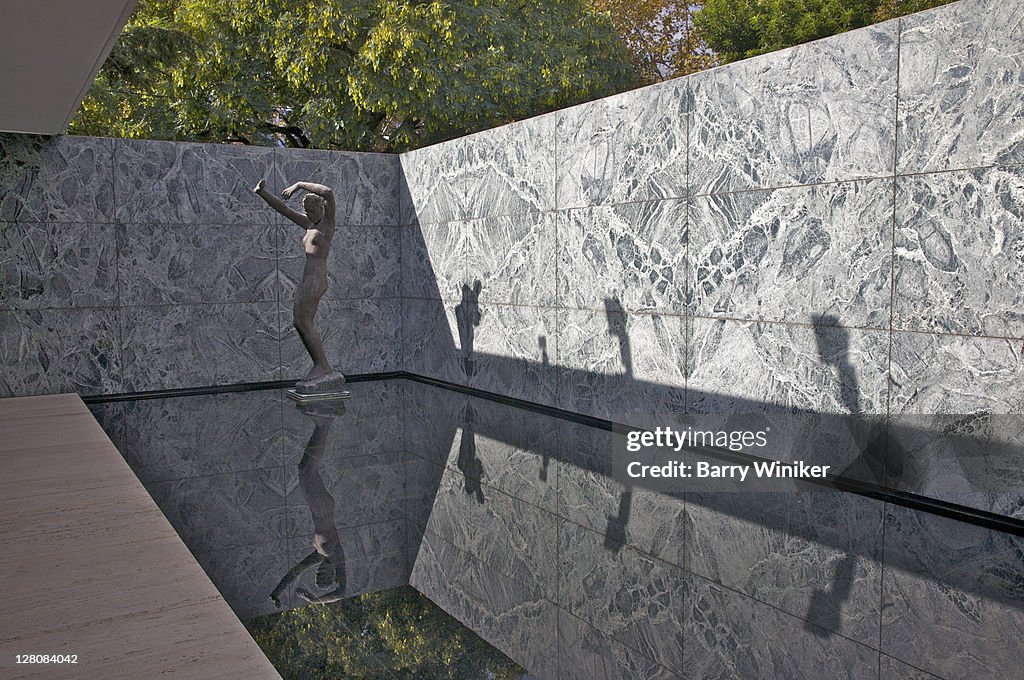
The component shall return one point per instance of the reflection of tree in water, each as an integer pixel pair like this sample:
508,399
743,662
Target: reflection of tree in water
395,633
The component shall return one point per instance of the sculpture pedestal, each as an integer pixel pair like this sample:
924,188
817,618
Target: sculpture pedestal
324,388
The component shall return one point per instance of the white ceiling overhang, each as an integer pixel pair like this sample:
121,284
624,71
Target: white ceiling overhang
50,52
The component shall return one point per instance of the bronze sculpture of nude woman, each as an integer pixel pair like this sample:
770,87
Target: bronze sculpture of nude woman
318,220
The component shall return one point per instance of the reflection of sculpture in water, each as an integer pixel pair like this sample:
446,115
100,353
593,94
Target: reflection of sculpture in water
328,554
467,317
469,465
318,221
615,313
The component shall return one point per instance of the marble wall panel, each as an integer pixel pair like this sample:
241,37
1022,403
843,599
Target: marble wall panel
513,258
46,265
508,349
508,614
952,597
178,182
623,367
745,367
56,179
433,260
818,112
430,340
814,554
168,439
591,493
196,263
367,186
893,669
247,575
634,254
795,254
509,535
586,653
624,148
169,346
958,420
729,635
961,90
433,187
53,351
358,491
225,511
359,336
363,262
960,252
509,170
637,600
820,393
505,448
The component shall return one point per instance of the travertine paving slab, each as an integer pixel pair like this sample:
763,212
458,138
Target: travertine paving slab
90,566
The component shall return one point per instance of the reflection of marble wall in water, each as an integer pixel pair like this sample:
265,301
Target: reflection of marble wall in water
137,265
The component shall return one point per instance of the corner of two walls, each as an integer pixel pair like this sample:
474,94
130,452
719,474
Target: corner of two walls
143,265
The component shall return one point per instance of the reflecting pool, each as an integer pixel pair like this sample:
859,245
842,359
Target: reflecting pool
415,531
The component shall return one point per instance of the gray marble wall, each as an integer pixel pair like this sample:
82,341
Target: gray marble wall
137,265
836,228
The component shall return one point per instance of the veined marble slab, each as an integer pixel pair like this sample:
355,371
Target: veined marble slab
56,179
434,188
509,170
179,182
635,253
823,111
961,90
513,257
170,346
161,263
794,254
960,252
45,265
45,351
624,148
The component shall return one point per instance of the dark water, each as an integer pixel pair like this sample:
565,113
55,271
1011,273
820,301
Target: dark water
416,532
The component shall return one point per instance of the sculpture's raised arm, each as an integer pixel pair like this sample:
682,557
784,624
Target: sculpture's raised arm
320,190
279,205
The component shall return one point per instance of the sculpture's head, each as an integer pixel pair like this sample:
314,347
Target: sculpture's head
314,207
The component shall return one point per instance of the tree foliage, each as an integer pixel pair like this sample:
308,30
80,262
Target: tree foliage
395,633
660,35
736,29
353,74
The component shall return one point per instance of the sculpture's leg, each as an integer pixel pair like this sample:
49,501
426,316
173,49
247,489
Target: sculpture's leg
302,318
